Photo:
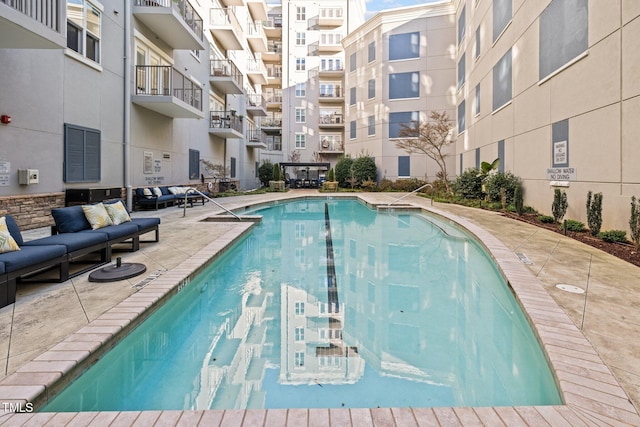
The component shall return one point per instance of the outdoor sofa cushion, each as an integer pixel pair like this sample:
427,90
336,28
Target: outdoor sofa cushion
72,241
70,219
114,231
31,255
2,270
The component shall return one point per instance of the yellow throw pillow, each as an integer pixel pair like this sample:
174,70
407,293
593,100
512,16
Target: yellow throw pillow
117,212
97,215
157,191
7,242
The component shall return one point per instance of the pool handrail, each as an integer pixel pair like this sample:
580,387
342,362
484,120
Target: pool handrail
410,193
191,190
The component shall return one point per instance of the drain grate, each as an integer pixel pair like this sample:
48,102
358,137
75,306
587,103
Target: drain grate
525,259
144,282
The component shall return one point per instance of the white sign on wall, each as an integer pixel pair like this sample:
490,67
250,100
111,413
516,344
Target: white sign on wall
561,174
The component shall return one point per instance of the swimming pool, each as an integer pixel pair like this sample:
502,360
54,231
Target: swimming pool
395,309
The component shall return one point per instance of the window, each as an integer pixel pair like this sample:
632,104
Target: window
560,144
352,96
301,13
372,89
81,154
564,31
301,115
404,85
301,90
461,71
299,333
352,129
400,122
301,64
501,155
299,308
476,49
501,16
301,140
301,39
299,359
404,46
461,117
194,164
84,21
372,51
371,125
502,81
461,25
476,101
404,164
232,167
352,62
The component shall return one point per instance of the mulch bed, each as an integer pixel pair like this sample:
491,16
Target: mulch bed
624,251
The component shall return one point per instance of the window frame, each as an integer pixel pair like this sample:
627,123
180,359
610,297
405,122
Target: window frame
301,90
371,48
301,115
83,31
395,126
371,89
394,76
300,141
395,54
371,125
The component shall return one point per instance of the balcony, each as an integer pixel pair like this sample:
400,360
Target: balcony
225,76
273,27
256,71
176,22
273,53
274,100
272,124
331,93
256,105
255,138
25,24
334,72
225,124
331,121
256,37
331,145
225,28
274,74
330,17
232,2
165,90
257,9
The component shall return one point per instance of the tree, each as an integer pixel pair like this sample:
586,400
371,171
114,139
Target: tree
431,137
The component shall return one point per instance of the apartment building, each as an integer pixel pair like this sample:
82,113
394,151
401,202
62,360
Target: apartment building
112,95
308,103
400,68
552,89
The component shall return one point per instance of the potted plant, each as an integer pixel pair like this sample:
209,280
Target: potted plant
277,184
330,184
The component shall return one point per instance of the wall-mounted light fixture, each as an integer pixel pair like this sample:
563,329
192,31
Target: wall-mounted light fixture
5,119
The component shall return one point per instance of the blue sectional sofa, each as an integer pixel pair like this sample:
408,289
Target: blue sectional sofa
72,239
170,196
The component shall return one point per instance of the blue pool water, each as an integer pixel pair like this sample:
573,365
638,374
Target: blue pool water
330,304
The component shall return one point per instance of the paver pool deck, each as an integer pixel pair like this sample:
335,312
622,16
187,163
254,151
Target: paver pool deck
591,339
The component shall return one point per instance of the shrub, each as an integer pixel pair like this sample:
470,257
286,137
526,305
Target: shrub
614,236
546,219
573,225
385,185
560,205
368,185
265,173
408,184
634,221
594,213
343,170
468,184
364,168
331,175
495,182
276,172
518,199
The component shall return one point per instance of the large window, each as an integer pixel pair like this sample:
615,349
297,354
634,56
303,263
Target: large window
352,96
301,90
301,64
84,21
400,121
502,81
301,39
461,25
301,140
564,30
301,115
81,154
372,51
352,129
404,46
194,164
461,71
301,13
461,117
404,85
371,89
502,14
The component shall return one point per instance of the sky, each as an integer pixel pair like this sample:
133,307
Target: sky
378,5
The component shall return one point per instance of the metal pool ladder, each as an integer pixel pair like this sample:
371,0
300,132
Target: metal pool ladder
191,190
414,191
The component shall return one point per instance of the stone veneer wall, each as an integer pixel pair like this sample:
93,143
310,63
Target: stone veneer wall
32,210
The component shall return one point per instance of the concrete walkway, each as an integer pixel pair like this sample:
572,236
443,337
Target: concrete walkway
47,317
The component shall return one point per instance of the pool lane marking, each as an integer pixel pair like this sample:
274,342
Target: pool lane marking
332,285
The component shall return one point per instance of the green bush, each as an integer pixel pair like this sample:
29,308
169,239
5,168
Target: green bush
573,225
364,168
560,205
634,221
276,172
468,184
386,185
594,213
518,199
493,183
343,170
546,219
331,175
614,236
265,173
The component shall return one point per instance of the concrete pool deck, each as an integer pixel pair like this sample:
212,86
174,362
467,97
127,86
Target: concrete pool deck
54,326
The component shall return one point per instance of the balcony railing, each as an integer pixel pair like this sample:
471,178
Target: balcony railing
219,119
256,100
274,71
329,144
226,68
273,47
331,119
255,136
224,16
274,97
164,80
184,9
331,92
274,21
46,12
274,121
